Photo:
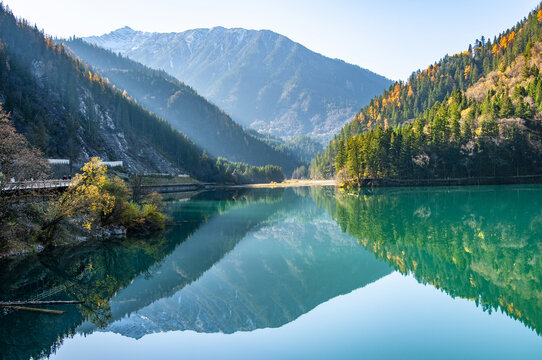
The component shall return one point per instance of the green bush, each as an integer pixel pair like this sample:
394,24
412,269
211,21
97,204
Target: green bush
134,216
144,217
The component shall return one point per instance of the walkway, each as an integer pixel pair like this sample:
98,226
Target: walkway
26,186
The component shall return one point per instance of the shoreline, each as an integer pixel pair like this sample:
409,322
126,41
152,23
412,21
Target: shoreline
472,181
287,183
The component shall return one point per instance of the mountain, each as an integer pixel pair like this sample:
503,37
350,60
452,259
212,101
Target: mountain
203,122
303,147
66,110
262,79
476,113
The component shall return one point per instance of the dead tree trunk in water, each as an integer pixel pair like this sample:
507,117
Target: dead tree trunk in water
46,311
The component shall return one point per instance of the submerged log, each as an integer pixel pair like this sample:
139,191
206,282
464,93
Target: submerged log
47,311
51,302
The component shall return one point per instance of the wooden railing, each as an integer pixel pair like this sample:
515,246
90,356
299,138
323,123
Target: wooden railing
36,185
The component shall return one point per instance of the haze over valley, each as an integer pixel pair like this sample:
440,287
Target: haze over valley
262,79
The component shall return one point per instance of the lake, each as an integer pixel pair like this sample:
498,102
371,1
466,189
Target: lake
315,273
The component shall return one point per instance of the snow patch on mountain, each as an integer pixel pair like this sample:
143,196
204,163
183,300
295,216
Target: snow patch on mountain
261,78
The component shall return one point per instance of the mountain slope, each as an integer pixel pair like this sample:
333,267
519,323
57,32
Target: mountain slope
419,100
263,79
68,111
201,121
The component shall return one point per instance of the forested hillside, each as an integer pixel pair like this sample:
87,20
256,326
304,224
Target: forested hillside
262,79
203,122
68,111
474,113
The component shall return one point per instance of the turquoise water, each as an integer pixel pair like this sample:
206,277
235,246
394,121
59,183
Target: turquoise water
313,273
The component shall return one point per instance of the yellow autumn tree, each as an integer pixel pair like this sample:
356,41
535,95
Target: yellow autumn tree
503,43
511,36
495,49
84,201
410,90
467,71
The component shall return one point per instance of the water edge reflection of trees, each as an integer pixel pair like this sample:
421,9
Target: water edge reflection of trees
482,244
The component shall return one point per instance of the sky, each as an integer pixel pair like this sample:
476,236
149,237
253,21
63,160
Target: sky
390,37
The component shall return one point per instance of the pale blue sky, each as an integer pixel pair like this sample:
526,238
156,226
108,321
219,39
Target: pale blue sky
390,37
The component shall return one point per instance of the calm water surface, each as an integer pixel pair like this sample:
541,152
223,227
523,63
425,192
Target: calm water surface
447,273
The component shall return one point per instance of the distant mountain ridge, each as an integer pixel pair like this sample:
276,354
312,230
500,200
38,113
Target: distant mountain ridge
187,111
262,79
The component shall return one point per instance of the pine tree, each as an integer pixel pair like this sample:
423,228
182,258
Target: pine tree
507,107
352,160
340,159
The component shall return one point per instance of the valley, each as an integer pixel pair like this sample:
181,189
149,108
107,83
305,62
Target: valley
192,180
262,79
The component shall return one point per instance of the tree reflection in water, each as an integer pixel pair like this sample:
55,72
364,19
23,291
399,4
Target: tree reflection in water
478,243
